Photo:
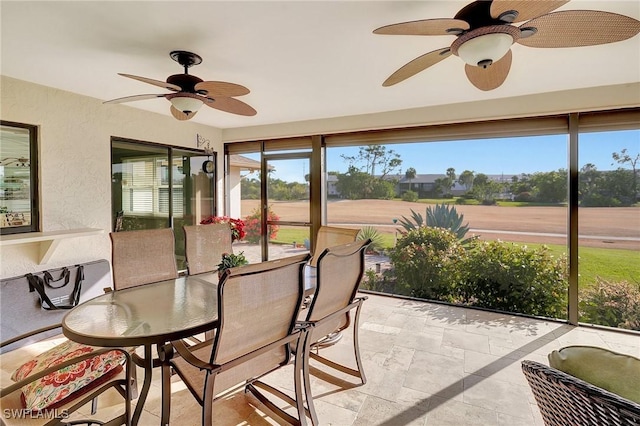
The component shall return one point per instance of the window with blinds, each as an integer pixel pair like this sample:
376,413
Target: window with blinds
155,186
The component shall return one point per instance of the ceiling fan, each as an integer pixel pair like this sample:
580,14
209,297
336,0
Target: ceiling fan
484,35
190,92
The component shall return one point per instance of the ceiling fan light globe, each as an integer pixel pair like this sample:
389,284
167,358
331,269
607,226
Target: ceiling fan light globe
487,47
186,104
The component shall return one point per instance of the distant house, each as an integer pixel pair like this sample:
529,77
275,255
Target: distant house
424,185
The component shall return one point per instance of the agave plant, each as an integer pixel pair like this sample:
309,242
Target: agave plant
441,216
415,222
369,232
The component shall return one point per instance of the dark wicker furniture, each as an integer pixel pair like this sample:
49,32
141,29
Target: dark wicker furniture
566,400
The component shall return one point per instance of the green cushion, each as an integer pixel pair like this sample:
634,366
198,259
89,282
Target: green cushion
615,372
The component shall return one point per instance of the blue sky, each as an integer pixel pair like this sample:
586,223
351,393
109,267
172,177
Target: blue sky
489,156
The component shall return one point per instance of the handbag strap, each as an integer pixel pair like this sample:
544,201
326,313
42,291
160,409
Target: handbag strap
38,284
48,278
77,288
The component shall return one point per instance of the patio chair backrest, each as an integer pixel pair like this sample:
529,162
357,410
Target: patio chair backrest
329,236
339,271
257,304
142,257
205,245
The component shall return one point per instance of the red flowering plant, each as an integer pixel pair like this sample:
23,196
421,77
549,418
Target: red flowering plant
237,225
254,230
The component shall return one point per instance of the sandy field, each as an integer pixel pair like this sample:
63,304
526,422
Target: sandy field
598,227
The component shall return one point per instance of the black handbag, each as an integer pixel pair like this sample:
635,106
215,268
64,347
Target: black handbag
55,293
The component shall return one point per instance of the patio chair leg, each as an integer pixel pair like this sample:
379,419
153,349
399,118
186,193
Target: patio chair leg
356,344
355,372
306,378
207,403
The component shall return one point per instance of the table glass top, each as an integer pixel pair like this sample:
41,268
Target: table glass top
149,313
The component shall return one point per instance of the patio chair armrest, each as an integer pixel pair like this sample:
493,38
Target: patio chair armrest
29,334
354,304
35,376
184,351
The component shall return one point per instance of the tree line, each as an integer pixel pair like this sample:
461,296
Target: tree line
373,173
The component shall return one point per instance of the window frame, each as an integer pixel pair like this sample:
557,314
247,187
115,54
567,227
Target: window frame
34,193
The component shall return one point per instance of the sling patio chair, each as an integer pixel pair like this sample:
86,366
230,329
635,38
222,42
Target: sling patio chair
49,388
340,269
329,236
142,257
258,306
567,400
205,245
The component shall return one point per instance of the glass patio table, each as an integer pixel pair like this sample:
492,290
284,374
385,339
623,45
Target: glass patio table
146,315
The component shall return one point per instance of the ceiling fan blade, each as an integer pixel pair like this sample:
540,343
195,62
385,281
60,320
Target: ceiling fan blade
492,77
179,115
421,63
231,105
132,98
527,9
221,88
425,27
154,82
574,28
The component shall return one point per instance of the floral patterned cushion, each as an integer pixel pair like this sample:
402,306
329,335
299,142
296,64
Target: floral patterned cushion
51,390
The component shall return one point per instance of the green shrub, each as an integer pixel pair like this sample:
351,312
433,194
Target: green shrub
513,278
382,189
375,236
614,304
410,196
428,263
597,200
524,196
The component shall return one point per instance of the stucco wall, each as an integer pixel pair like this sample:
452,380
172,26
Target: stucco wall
75,164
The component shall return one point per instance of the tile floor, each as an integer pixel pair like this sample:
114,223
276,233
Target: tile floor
426,364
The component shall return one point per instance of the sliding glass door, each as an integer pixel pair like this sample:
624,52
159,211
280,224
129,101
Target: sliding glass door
155,186
288,205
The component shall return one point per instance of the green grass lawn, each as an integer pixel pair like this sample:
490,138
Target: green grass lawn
289,235
608,264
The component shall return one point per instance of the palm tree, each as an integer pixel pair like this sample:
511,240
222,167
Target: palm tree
410,174
451,177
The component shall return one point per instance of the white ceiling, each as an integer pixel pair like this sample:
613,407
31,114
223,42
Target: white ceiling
302,60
